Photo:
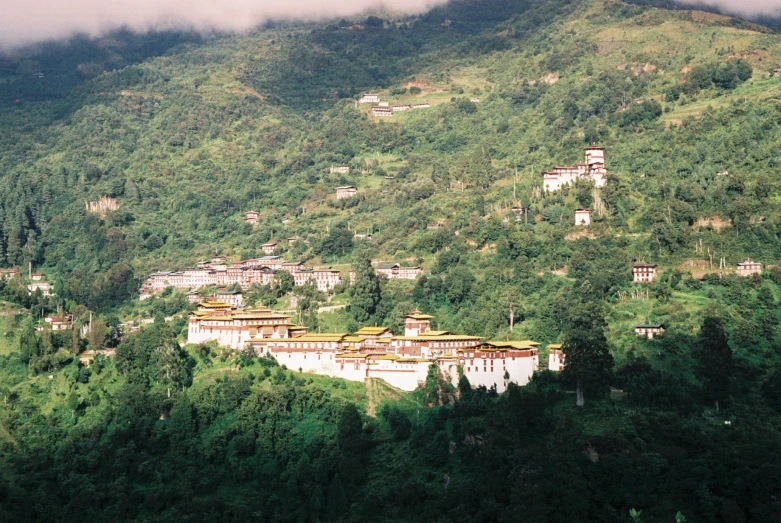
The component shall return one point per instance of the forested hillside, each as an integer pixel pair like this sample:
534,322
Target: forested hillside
188,132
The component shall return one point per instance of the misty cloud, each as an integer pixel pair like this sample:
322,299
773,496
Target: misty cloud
741,7
28,21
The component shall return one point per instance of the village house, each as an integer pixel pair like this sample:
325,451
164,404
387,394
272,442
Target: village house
555,357
396,271
192,297
58,323
325,279
519,212
269,247
643,273
291,267
36,276
583,217
748,267
232,298
434,226
649,330
593,168
45,288
369,98
7,274
346,191
252,217
258,275
379,110
421,106
400,107
383,104
340,169
475,100
372,352
272,262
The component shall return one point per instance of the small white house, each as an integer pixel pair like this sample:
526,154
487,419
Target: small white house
369,98
555,357
583,217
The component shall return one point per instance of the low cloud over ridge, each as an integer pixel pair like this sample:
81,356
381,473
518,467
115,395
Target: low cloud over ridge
29,21
740,7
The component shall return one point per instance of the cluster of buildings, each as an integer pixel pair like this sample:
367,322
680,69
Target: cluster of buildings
245,273
393,271
646,273
36,281
386,109
371,352
593,168
257,271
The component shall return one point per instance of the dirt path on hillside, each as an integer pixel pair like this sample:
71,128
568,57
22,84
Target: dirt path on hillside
4,434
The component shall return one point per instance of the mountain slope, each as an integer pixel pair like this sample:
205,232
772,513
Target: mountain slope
189,140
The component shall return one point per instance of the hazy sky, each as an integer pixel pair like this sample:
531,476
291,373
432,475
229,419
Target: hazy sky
28,21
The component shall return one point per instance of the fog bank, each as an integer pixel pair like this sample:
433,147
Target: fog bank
29,21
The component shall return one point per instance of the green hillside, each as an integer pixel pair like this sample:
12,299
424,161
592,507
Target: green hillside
188,132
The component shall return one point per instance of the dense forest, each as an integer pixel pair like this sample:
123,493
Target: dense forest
187,132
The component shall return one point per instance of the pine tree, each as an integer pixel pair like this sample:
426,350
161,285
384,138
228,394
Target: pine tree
336,500
75,345
715,360
97,334
587,361
28,342
365,293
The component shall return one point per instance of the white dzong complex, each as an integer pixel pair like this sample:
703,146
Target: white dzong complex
372,352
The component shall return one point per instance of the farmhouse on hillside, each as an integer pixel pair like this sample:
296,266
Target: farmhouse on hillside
643,273
649,330
346,191
748,267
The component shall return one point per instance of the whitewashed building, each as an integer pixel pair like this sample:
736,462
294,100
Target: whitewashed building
372,352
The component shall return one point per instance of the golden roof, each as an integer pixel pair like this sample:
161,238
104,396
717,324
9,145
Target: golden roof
385,357
443,337
523,345
215,305
371,330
